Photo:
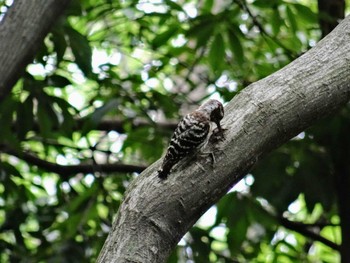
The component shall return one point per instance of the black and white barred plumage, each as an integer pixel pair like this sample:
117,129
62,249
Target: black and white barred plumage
191,134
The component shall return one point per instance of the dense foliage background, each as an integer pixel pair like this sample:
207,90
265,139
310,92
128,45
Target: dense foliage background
100,101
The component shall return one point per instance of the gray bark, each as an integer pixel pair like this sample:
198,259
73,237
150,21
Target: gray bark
156,214
22,31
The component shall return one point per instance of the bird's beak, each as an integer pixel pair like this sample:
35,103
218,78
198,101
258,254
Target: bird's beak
219,126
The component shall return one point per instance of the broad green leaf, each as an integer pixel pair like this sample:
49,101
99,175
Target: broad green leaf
217,53
276,21
44,120
305,13
293,43
47,117
266,3
235,46
81,50
174,6
200,248
68,120
97,116
162,38
8,107
207,6
58,81
59,43
202,30
237,234
291,19
74,8
25,117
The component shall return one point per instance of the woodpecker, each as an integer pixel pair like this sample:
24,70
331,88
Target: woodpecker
191,134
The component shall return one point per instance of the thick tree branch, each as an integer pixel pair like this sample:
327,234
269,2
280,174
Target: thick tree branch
67,170
22,32
155,214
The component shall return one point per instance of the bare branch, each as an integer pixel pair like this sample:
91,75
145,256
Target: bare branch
67,170
306,231
114,125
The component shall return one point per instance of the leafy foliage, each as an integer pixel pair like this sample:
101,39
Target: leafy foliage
140,64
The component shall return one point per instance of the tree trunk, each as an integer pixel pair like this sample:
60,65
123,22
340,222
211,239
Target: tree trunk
22,32
155,214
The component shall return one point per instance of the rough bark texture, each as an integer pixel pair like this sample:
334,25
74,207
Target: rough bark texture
156,214
21,34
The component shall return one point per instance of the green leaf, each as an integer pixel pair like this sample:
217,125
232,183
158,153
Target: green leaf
97,116
174,6
59,43
47,117
44,120
281,190
81,50
293,43
25,117
266,3
68,120
8,109
276,21
217,53
207,6
74,8
201,249
94,119
305,13
202,29
235,46
58,81
291,19
162,38
8,169
237,234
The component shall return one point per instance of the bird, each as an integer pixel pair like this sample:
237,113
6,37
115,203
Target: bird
191,134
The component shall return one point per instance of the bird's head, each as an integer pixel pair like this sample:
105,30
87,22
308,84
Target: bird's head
215,110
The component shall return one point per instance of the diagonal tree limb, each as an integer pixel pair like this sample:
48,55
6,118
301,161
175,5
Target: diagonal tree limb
22,32
155,214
